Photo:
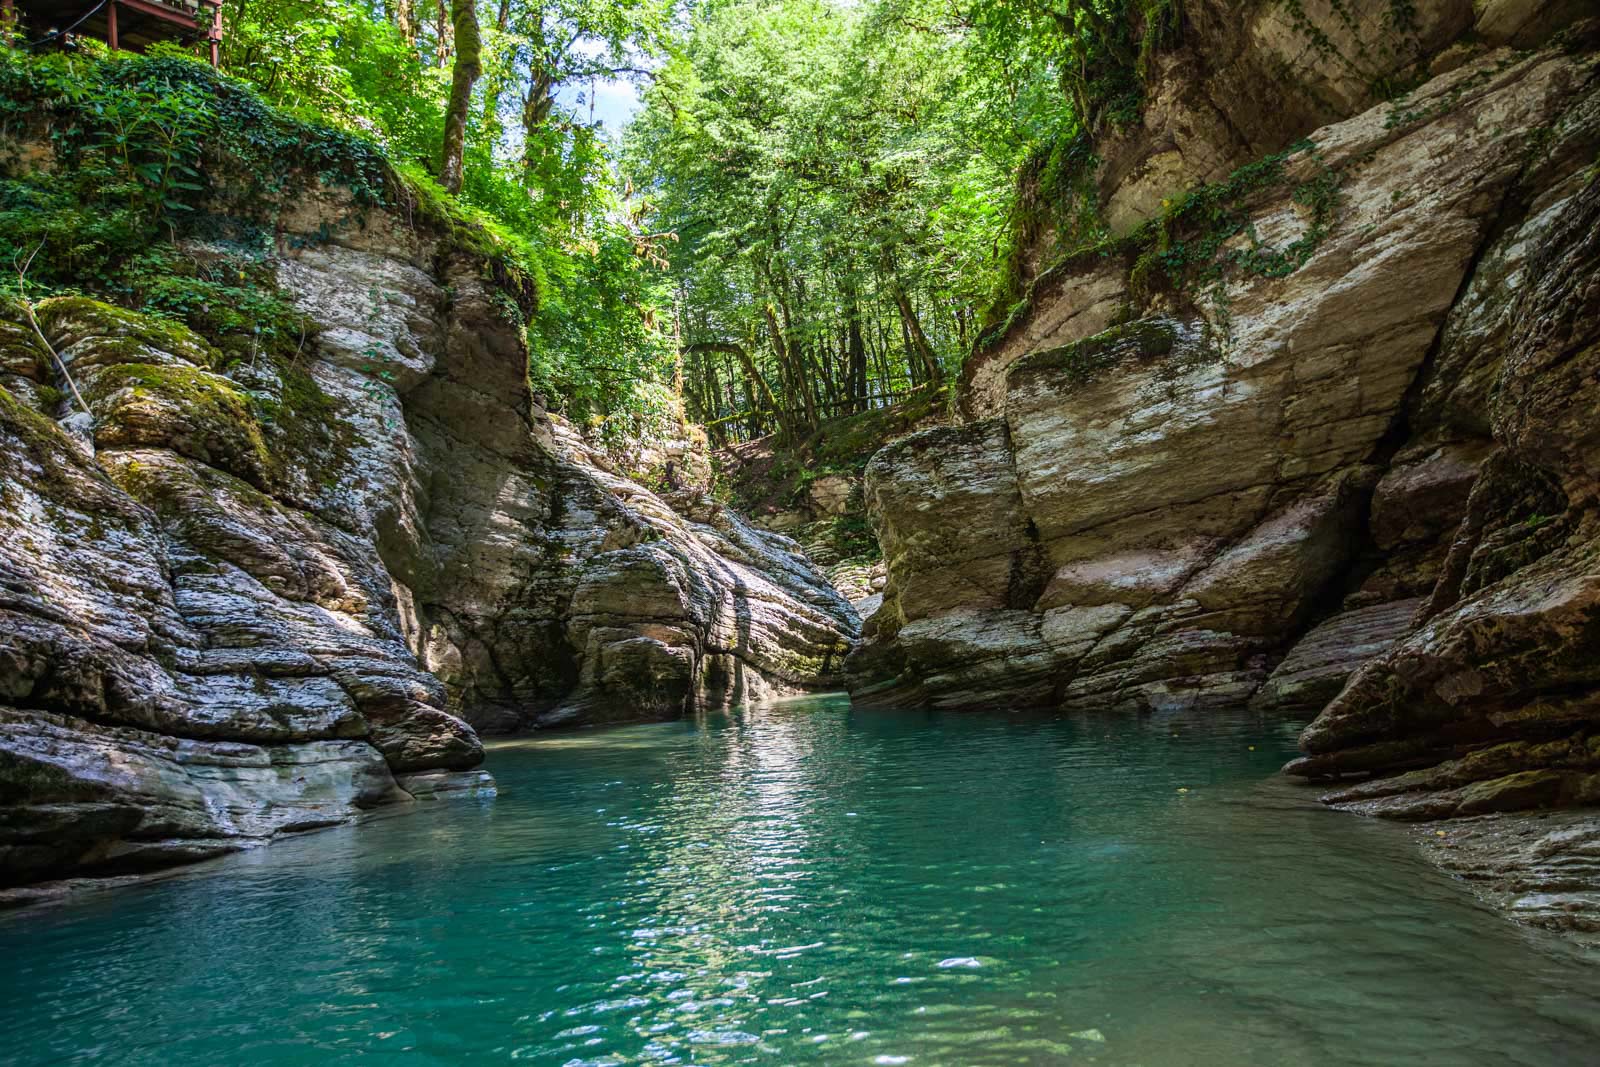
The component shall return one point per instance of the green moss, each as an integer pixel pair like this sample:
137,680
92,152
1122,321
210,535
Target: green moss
38,434
1190,249
26,781
68,479
218,419
1101,250
129,332
842,539
306,427
845,444
189,386
512,262
212,156
1084,361
1183,248
841,446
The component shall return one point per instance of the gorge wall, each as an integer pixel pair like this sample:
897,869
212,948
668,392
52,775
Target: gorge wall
241,596
1318,434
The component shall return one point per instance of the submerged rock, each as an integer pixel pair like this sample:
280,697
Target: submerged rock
1542,868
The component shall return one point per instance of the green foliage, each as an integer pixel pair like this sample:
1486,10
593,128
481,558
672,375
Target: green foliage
846,538
538,199
1186,244
334,94
1082,362
139,146
332,59
816,196
600,348
1099,50
846,444
838,177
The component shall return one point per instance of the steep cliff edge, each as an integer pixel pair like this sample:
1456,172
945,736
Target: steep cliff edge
1332,410
251,592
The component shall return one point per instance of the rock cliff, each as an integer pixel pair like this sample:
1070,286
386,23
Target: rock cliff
1313,425
242,595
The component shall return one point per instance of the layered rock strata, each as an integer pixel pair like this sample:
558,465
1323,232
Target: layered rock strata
251,596
1347,454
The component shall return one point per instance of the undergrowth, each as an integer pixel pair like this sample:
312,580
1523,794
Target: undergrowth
1203,237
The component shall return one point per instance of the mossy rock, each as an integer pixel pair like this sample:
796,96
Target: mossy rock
845,444
62,471
308,434
193,412
1513,792
122,334
1139,342
38,434
26,781
20,351
508,260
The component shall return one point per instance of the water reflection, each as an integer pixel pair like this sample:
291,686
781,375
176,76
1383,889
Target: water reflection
809,883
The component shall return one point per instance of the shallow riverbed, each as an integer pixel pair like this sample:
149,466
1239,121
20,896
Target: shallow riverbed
811,883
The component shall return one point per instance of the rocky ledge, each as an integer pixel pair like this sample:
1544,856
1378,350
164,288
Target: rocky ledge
243,597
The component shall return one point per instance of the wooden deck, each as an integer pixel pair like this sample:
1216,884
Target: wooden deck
127,24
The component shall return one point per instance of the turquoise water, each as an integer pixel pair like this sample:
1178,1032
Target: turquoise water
810,884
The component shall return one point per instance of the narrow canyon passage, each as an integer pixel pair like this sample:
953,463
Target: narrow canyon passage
805,882
800,531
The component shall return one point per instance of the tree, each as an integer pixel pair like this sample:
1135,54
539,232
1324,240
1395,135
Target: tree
830,172
468,46
841,176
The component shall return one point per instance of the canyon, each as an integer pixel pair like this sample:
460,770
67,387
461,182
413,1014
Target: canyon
1310,430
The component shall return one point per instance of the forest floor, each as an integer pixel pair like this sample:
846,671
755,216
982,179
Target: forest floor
812,489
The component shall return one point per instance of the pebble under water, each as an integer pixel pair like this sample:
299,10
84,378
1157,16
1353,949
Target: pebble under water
807,883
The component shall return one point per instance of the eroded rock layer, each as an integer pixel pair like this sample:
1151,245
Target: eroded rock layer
240,597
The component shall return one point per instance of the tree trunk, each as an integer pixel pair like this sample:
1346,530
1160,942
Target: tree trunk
800,383
713,399
917,341
753,378
539,100
913,363
855,349
464,16
536,108
405,20
880,352
443,45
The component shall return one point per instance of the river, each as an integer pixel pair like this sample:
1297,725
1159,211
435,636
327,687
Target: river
812,883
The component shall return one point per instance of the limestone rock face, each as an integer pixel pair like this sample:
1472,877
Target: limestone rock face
1498,690
242,598
1316,62
1349,467
1144,516
673,609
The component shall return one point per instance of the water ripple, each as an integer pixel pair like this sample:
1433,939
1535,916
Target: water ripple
810,883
